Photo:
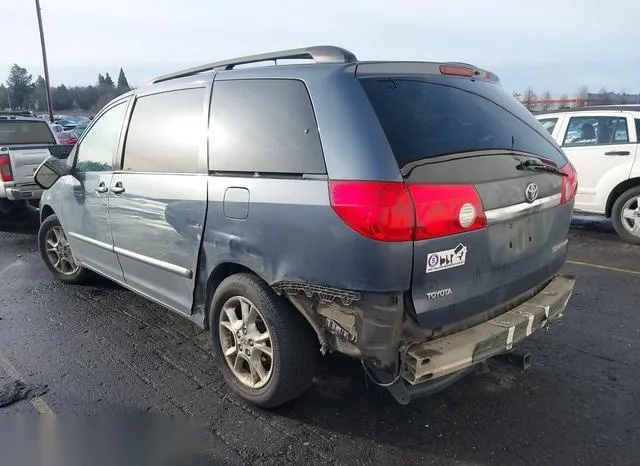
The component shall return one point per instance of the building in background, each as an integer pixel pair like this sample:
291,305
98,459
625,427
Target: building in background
583,98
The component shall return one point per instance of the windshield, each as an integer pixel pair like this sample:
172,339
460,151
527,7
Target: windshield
25,132
423,119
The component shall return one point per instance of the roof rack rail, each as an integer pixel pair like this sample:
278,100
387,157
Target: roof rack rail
318,53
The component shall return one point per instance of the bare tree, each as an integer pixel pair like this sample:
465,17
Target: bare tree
623,96
546,100
564,101
582,96
604,97
529,99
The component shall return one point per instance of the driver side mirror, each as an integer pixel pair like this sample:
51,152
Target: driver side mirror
49,171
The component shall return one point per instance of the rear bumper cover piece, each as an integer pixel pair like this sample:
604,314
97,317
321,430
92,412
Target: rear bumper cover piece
427,361
24,193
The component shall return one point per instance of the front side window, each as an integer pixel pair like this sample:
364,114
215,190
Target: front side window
264,126
166,132
95,152
596,130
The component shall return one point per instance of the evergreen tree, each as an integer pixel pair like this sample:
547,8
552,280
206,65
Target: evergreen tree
61,97
86,97
39,94
123,84
4,97
108,82
20,85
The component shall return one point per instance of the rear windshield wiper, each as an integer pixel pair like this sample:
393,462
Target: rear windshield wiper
539,167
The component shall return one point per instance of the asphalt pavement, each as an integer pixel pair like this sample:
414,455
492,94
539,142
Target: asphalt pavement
103,351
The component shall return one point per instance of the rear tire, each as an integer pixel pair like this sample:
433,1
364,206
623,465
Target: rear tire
625,215
249,321
57,255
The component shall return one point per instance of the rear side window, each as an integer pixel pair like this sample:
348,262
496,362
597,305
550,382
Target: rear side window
596,130
25,132
423,119
548,123
166,133
264,125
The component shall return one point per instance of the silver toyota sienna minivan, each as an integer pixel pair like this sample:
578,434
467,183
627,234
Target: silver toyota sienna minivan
411,215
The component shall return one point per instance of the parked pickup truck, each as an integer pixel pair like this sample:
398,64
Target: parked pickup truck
25,142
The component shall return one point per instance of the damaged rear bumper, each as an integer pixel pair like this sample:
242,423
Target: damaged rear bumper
429,366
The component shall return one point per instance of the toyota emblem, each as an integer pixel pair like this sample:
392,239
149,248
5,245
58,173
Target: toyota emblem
531,193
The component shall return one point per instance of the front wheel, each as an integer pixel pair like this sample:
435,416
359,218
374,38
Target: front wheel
56,252
625,215
265,349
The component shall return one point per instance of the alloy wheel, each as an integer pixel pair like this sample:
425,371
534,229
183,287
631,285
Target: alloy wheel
246,342
631,216
59,252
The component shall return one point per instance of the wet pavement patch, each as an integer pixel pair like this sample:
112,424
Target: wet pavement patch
17,390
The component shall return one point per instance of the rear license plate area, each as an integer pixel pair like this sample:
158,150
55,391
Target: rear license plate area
514,239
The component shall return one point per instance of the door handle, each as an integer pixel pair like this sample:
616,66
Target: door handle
102,188
118,188
617,152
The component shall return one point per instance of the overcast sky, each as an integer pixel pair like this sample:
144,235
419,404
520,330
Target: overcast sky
554,45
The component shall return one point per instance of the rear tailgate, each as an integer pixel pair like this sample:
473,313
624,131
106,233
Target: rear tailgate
491,227
25,160
27,141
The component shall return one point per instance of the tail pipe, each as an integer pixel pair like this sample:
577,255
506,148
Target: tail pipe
521,360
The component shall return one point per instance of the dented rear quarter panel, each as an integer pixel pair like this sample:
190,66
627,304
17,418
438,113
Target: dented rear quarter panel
291,233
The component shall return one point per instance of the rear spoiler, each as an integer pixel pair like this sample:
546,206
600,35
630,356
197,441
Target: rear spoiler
61,151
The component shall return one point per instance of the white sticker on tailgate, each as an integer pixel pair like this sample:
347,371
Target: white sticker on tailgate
448,259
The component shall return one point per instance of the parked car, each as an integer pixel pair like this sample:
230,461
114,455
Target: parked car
80,128
67,125
66,137
56,127
25,142
411,215
602,143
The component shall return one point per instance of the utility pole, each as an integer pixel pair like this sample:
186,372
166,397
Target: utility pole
47,84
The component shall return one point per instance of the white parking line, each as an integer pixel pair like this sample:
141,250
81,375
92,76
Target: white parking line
605,267
41,406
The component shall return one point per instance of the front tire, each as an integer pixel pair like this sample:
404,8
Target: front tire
56,253
625,215
264,348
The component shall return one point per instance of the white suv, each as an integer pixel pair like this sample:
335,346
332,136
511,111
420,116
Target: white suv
602,144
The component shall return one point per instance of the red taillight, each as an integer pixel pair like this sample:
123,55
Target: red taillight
378,210
457,70
569,183
394,211
5,168
443,210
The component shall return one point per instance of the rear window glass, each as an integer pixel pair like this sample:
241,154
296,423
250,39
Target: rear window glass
25,132
424,119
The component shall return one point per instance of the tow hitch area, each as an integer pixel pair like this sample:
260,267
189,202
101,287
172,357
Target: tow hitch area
430,366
